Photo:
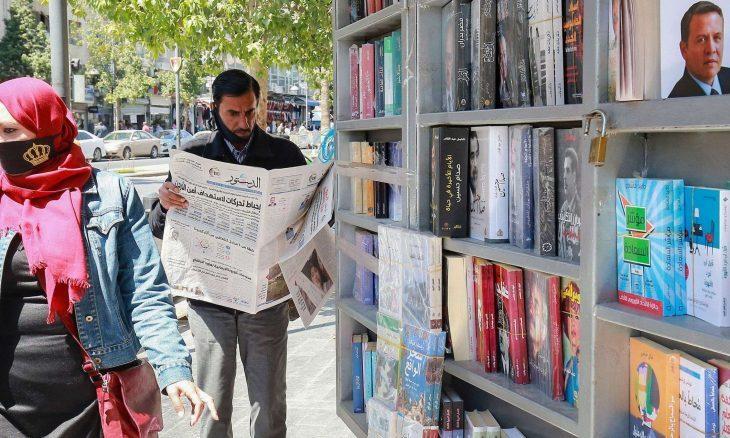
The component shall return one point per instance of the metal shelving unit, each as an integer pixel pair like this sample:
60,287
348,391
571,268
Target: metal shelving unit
680,138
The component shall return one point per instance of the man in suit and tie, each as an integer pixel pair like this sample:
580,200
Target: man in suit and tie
702,42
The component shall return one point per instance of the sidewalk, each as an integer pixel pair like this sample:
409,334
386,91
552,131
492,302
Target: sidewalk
310,386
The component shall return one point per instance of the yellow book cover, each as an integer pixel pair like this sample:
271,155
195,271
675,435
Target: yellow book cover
356,157
653,390
368,186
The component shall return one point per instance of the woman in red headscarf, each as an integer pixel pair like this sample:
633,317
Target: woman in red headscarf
77,259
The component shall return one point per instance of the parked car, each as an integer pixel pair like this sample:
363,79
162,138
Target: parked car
200,138
92,145
132,143
169,140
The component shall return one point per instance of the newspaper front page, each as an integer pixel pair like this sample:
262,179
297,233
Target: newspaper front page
251,238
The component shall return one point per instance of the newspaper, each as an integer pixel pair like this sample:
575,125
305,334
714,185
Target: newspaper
251,238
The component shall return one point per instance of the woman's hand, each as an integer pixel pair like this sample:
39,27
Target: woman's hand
198,400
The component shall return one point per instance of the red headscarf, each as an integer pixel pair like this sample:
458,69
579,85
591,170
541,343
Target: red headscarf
44,206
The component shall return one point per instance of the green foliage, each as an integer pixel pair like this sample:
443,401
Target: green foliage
24,48
192,80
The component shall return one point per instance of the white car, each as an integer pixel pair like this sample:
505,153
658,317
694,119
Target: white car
169,140
132,143
92,145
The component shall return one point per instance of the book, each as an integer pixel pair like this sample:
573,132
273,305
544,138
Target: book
543,187
382,421
568,159
653,389
456,53
363,288
367,155
492,428
449,176
356,184
490,317
422,280
370,7
645,244
573,51
447,416
358,396
483,54
357,10
388,359
723,374
456,289
542,58
570,309
520,186
388,75
513,42
707,237
391,271
480,311
508,284
458,412
475,426
379,78
367,81
558,51
511,433
544,332
698,398
680,280
471,312
488,188
397,73
354,52
369,350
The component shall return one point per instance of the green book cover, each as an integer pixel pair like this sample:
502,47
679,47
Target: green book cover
397,73
389,79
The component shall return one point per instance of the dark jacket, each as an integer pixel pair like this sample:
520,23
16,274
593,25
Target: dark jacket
265,151
687,87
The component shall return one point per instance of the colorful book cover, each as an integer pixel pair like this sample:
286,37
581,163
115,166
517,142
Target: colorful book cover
645,244
488,188
518,327
358,395
449,177
363,289
388,74
354,80
397,73
573,51
543,186
698,398
479,308
483,54
520,186
490,317
653,389
723,374
367,81
368,186
567,142
368,372
542,62
388,349
680,280
707,236
570,308
458,412
544,332
513,42
379,78
503,327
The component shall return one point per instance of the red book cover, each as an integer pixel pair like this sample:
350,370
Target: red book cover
370,7
378,5
367,81
479,311
517,323
556,339
491,314
502,300
354,82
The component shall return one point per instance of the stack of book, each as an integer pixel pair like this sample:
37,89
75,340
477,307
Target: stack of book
674,394
363,371
377,199
669,248
506,54
376,78
523,186
360,9
458,423
518,322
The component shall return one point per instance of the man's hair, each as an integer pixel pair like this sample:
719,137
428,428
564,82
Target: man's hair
699,8
234,83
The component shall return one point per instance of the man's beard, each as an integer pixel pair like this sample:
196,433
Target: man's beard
227,133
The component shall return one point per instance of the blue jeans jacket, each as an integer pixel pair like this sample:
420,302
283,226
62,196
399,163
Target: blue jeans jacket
129,301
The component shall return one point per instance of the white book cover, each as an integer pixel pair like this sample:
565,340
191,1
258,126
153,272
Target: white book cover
488,188
456,296
471,307
697,397
542,57
557,40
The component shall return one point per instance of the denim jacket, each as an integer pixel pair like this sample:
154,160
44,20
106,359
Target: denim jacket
129,301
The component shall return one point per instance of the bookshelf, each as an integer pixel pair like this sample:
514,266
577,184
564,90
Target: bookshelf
680,138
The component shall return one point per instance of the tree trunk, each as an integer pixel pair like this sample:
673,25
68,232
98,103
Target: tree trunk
261,73
324,105
117,110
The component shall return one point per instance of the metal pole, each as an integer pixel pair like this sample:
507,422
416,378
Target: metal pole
177,99
115,106
58,21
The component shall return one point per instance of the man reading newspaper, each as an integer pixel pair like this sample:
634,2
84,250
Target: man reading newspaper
219,329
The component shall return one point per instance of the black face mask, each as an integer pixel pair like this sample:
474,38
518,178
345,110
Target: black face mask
227,133
18,157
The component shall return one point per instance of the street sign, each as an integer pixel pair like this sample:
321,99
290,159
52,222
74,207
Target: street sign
176,64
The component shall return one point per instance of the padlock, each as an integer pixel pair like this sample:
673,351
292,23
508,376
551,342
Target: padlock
597,153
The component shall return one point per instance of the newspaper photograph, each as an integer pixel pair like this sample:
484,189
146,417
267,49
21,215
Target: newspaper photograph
241,225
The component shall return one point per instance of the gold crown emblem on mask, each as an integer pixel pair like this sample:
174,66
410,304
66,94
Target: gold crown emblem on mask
37,154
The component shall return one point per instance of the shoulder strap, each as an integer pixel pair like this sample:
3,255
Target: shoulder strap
88,364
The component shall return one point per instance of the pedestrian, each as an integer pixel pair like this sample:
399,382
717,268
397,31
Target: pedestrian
55,289
217,330
146,127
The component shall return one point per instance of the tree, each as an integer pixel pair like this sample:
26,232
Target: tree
121,72
261,33
24,48
193,74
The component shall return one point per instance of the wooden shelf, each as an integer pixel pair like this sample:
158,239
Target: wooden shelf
686,329
363,221
506,253
379,23
506,116
525,397
378,123
365,314
669,115
358,423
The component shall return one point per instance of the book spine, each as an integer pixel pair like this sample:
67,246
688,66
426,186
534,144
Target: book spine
388,74
448,54
397,73
476,44
447,425
672,390
354,81
522,57
479,308
471,308
463,55
556,338
368,372
522,375
725,258
371,8
484,53
543,148
378,5
712,416
379,78
498,200
449,181
521,211
680,281
557,51
490,333
358,396
568,167
573,51
367,59
356,183
356,9
541,52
